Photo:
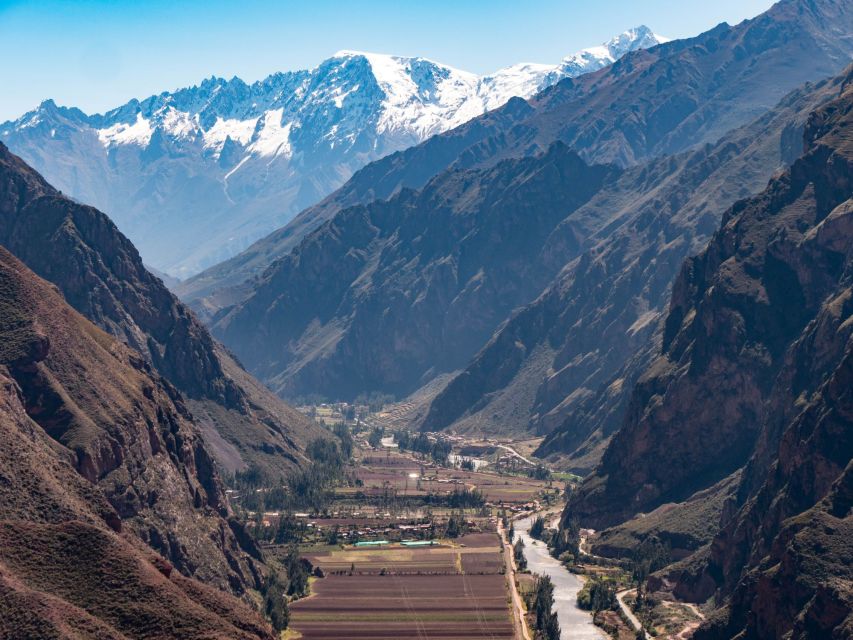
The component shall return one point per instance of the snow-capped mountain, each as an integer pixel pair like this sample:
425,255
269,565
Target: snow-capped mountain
193,176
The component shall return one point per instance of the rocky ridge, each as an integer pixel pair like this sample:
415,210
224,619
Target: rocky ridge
578,349
105,479
101,275
689,92
754,373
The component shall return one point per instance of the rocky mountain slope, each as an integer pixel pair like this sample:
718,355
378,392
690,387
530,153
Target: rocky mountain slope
193,176
387,294
735,312
651,102
101,275
330,339
99,459
755,372
570,359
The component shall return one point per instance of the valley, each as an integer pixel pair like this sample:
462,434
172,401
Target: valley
409,538
407,544
381,348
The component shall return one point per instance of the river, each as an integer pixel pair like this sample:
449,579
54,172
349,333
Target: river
575,624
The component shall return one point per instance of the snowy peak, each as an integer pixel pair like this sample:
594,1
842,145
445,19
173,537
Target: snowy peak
631,40
215,166
527,79
360,101
420,97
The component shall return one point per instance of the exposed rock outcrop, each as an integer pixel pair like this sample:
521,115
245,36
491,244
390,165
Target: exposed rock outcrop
386,295
569,360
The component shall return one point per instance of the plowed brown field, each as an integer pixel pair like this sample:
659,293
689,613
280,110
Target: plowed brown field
371,606
448,592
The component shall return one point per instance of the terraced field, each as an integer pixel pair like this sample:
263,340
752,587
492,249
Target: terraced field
402,561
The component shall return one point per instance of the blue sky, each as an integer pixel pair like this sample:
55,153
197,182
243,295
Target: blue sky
97,54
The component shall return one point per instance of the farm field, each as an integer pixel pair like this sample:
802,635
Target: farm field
393,471
456,590
471,554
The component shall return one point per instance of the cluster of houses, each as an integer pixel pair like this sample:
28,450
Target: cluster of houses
533,505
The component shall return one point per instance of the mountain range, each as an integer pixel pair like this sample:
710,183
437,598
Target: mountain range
649,103
195,175
471,229
570,357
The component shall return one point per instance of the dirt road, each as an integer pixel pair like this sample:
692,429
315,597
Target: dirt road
516,454
632,619
521,631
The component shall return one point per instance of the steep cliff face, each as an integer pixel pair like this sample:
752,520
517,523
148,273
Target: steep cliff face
736,309
784,559
101,275
387,295
96,445
64,570
79,249
783,563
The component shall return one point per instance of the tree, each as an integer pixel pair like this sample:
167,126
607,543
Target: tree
298,570
598,594
419,443
403,439
540,472
346,441
550,628
567,539
518,553
455,526
275,603
537,528
441,452
375,437
650,556
547,626
325,452
333,535
290,530
465,498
